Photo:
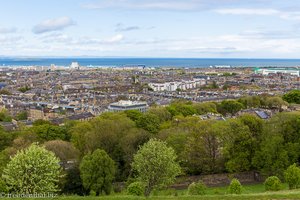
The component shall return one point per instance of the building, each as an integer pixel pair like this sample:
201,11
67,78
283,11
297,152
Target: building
128,105
267,71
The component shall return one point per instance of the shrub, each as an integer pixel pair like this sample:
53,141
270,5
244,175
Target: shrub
197,188
3,187
235,187
272,183
136,188
292,176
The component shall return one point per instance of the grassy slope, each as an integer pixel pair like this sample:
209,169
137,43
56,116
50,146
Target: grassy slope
250,192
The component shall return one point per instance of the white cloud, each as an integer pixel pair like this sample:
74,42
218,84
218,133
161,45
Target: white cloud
176,5
114,39
247,11
287,15
53,25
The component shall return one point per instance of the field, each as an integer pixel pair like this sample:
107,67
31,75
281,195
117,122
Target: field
250,192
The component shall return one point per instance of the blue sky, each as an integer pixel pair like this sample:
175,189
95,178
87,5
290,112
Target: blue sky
151,28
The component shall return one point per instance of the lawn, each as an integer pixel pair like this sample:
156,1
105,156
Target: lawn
250,192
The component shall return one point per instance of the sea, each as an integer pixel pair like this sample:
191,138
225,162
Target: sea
150,62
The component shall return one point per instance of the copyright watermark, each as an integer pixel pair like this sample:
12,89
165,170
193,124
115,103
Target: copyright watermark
34,195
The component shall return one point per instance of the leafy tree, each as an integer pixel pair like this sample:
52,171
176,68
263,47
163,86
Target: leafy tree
203,108
33,170
22,116
275,102
97,171
39,122
155,164
4,116
24,89
48,132
251,101
63,150
235,187
292,176
292,97
6,138
272,183
149,122
202,148
162,113
229,107
134,115
239,147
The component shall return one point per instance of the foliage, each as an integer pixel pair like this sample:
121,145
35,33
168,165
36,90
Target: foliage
292,97
155,165
272,183
292,176
198,188
235,187
149,122
134,115
39,122
5,92
33,170
22,116
97,171
24,89
4,116
48,132
3,187
136,188
65,151
229,107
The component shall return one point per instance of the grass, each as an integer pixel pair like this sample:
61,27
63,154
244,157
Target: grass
250,192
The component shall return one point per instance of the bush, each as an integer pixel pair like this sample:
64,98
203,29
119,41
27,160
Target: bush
136,188
3,187
235,187
272,183
197,188
292,176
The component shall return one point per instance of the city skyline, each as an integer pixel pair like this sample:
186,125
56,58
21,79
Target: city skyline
131,28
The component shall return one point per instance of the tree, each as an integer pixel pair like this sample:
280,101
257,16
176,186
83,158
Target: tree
134,115
149,122
22,116
272,183
275,102
235,187
203,108
33,170
155,164
48,132
292,97
63,150
292,176
97,171
229,106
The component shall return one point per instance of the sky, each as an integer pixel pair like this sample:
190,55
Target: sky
150,28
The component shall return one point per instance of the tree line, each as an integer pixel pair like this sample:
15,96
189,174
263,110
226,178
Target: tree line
120,144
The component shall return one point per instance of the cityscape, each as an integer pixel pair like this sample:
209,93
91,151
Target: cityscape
150,99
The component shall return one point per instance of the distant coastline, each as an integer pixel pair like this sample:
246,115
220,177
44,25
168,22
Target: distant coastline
149,62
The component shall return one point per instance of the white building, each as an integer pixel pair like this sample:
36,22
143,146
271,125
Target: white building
173,86
266,71
128,105
75,65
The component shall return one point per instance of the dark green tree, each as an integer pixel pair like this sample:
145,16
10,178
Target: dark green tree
97,171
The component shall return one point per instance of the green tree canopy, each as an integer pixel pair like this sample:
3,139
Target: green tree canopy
292,96
97,171
33,170
155,164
